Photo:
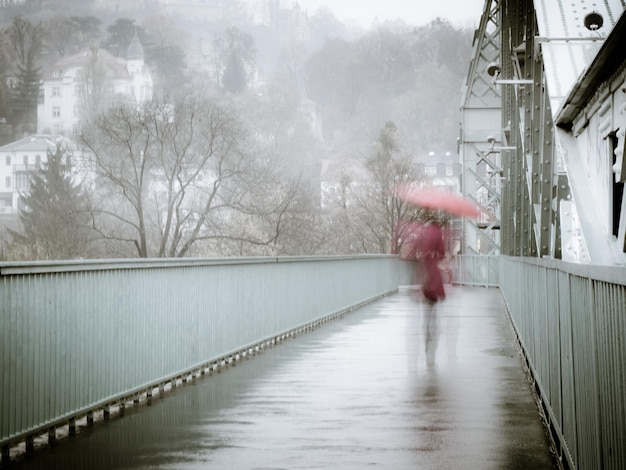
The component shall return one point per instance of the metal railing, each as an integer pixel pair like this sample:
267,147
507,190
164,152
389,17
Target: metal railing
80,336
475,270
570,320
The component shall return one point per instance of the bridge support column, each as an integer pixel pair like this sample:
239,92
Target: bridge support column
52,436
72,426
30,444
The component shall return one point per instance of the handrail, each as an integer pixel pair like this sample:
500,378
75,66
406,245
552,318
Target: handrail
40,267
81,335
570,321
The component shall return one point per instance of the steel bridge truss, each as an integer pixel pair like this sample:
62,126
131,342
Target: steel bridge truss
510,167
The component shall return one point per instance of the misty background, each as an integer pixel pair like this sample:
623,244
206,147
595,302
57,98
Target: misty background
270,129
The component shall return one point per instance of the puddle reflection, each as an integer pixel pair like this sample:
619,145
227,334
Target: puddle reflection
431,327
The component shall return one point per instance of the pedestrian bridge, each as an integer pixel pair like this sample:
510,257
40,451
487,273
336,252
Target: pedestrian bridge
364,374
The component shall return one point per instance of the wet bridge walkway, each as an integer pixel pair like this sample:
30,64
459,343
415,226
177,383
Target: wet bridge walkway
392,385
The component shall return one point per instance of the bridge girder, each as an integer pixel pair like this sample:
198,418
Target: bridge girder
508,131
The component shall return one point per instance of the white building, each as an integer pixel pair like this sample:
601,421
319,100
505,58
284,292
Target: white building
91,74
18,160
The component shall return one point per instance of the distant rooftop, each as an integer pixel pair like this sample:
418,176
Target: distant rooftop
40,142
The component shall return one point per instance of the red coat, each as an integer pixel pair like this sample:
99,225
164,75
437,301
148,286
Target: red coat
431,252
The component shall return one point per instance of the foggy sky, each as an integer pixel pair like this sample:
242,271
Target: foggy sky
416,12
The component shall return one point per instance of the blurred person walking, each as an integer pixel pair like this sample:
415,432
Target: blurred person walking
431,252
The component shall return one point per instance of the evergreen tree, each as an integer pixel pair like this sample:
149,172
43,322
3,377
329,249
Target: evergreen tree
234,79
54,217
121,34
236,58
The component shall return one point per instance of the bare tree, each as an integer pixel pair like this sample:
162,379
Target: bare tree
366,212
277,215
175,175
93,89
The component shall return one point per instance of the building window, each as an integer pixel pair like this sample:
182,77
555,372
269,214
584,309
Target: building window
56,91
78,89
79,73
56,112
8,182
38,160
21,182
56,73
617,184
8,160
25,160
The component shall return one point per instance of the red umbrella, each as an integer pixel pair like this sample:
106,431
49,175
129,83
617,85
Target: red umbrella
437,199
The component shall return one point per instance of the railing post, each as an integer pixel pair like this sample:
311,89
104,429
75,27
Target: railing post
6,454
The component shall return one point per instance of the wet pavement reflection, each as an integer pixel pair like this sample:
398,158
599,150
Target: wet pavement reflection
398,384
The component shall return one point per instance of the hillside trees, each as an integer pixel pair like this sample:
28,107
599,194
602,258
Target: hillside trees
162,53
411,76
5,91
336,80
42,10
68,35
120,35
27,40
283,124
